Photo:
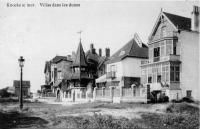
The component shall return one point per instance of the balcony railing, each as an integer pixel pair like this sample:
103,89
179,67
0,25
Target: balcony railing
111,74
173,57
170,57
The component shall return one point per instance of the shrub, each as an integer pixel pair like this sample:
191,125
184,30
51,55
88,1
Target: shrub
4,93
182,108
178,116
98,121
186,99
171,121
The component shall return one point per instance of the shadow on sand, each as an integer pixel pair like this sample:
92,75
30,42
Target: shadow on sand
15,119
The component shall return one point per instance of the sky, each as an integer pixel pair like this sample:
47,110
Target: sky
40,33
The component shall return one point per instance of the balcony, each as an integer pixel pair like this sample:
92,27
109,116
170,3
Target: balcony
170,57
173,57
111,74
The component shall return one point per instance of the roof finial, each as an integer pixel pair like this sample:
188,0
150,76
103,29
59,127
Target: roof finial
80,34
161,9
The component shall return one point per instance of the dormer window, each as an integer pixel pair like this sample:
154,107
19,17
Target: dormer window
122,53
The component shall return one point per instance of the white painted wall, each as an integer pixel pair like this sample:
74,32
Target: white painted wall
119,71
131,67
190,63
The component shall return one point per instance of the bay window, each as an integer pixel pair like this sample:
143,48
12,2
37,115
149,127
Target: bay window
175,73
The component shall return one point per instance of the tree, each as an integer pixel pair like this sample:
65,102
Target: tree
4,93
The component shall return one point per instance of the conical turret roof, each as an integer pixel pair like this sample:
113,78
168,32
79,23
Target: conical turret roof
80,59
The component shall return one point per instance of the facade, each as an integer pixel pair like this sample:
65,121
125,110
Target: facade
173,57
84,72
101,68
47,72
123,68
57,71
72,78
25,88
81,79
60,73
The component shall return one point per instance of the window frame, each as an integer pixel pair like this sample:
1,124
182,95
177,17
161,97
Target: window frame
175,73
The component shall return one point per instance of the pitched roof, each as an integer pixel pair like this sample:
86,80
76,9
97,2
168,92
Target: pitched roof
16,83
58,58
92,56
102,61
130,49
80,59
180,22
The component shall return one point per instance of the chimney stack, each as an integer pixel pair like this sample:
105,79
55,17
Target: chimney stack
107,51
195,19
92,49
100,52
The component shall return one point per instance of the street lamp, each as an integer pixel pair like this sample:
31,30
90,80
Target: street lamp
21,64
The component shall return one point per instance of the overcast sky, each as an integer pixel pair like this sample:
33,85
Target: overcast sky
40,33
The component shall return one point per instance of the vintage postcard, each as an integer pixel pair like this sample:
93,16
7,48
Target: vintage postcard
96,64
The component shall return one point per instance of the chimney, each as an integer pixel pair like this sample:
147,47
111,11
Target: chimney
91,47
195,19
100,52
107,52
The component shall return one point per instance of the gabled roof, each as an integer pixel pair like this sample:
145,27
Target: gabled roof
80,59
130,49
58,58
180,22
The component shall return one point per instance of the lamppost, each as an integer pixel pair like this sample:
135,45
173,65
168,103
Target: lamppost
21,64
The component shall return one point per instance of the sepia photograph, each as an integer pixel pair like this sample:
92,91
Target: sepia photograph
96,64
